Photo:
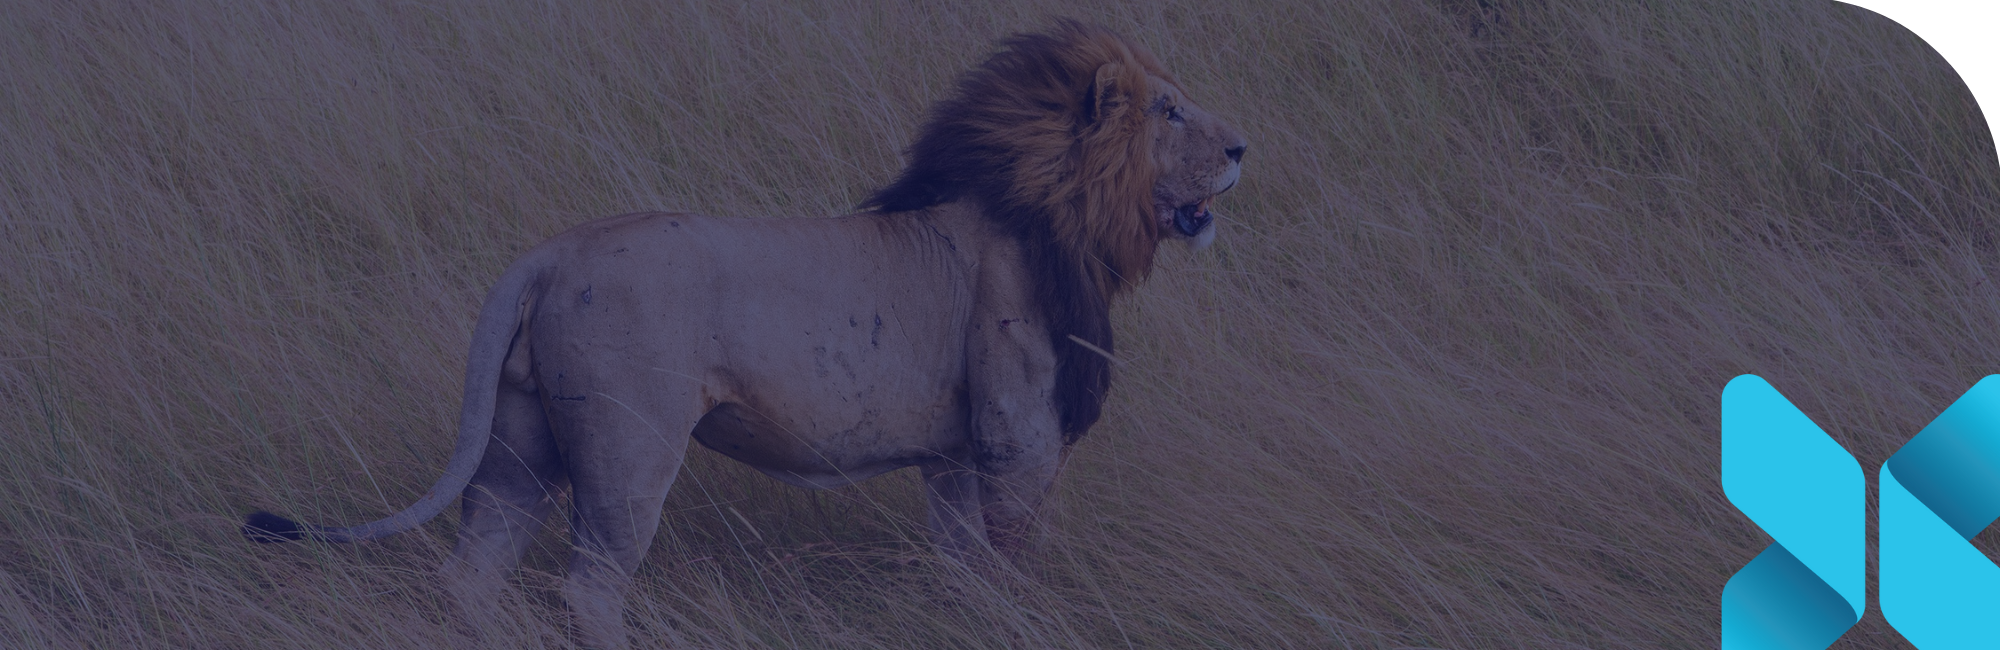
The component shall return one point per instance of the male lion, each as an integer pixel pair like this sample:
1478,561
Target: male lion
960,324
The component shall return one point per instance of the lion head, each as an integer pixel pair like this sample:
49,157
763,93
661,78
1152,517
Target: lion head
1083,146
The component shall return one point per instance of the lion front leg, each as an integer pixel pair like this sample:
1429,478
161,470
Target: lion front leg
1015,428
957,525
1015,481
1017,450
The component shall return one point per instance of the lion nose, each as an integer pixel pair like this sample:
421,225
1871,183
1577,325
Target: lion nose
1236,153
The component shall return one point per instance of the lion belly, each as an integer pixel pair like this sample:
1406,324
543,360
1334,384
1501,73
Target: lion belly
808,453
820,352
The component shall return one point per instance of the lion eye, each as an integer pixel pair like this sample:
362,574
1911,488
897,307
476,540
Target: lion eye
1174,114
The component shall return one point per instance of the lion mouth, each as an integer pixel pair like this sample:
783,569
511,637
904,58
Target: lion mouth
1194,217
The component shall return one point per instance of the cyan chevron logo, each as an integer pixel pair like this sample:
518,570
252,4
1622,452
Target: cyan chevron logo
1803,489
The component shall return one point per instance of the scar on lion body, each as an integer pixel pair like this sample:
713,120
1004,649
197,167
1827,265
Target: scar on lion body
959,323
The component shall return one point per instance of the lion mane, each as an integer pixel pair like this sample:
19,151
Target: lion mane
1063,161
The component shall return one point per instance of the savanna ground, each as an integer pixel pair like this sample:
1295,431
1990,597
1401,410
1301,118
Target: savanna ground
1449,378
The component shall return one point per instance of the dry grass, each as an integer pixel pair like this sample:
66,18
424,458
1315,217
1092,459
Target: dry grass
1449,379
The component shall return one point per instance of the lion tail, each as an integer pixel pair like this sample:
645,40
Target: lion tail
498,320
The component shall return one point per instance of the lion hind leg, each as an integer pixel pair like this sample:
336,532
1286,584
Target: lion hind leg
509,497
611,538
622,458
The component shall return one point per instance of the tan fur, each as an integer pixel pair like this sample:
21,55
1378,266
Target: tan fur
934,330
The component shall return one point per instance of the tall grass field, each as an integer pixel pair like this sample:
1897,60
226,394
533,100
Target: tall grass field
1449,377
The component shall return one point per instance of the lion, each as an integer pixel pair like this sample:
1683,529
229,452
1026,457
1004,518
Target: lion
960,323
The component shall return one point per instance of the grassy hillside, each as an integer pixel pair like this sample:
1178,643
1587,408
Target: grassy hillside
1448,379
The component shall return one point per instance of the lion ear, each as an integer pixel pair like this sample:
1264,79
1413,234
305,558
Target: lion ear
1108,97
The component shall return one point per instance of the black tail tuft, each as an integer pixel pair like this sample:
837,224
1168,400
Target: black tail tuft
266,528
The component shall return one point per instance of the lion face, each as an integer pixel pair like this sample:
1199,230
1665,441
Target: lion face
1199,157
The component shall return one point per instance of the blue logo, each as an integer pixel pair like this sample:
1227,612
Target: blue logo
1802,488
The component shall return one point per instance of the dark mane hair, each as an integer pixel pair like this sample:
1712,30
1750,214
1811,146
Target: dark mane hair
1049,137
